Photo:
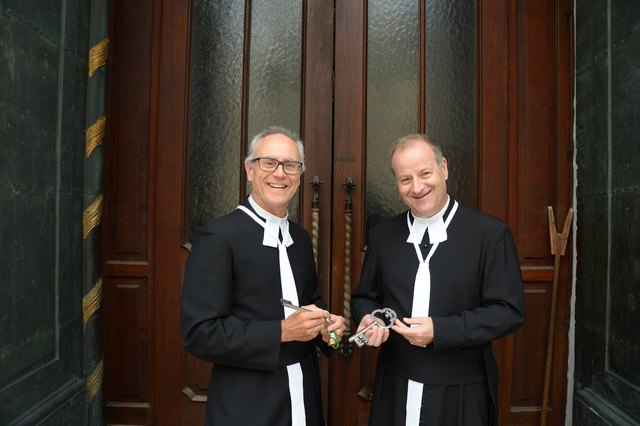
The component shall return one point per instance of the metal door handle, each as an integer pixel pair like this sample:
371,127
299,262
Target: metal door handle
347,349
315,217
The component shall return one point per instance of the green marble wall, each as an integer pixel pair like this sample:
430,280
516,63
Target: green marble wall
607,353
43,86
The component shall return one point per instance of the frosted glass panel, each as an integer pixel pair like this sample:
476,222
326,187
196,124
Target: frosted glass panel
275,66
392,96
275,82
274,94
216,98
393,81
451,91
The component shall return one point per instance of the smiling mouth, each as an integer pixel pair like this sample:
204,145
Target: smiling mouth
276,185
419,197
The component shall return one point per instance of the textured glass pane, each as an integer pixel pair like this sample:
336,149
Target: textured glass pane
275,68
216,97
392,96
450,90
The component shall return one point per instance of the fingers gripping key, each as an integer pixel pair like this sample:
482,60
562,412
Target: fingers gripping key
334,342
384,318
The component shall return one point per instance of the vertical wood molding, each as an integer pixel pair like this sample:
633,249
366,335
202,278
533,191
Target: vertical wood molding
316,130
127,302
349,156
169,174
493,108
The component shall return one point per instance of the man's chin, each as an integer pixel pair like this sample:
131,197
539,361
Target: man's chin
423,211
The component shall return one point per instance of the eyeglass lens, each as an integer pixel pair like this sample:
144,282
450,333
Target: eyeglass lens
270,165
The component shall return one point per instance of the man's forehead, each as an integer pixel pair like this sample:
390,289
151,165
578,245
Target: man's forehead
277,144
414,158
418,168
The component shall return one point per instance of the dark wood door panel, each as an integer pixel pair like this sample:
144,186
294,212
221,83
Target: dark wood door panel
525,104
126,262
350,45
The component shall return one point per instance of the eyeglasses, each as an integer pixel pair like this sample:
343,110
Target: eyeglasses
267,164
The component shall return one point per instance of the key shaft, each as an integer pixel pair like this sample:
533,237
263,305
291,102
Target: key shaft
334,342
288,304
360,338
389,314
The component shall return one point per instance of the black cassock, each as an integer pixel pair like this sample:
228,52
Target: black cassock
477,296
231,315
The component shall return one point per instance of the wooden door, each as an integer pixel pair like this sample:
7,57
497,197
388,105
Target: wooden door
190,82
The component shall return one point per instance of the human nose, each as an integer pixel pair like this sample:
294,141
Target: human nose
279,171
416,185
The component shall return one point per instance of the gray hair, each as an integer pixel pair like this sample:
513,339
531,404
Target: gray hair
275,130
405,140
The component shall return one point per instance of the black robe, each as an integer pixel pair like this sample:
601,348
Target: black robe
231,313
477,296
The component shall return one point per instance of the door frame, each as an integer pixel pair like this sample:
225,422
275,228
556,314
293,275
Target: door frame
162,201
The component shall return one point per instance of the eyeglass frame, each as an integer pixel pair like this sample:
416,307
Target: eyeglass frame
299,163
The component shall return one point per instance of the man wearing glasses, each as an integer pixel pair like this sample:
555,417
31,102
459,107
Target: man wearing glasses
241,266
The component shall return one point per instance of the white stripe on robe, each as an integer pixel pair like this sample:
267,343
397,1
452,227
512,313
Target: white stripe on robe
422,288
289,292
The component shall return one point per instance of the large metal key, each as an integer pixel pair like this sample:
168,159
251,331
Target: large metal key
333,337
384,318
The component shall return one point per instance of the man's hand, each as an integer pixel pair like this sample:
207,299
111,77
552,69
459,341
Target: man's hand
417,331
303,326
336,324
375,335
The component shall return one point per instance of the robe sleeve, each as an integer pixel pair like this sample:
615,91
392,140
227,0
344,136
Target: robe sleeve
501,309
209,330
